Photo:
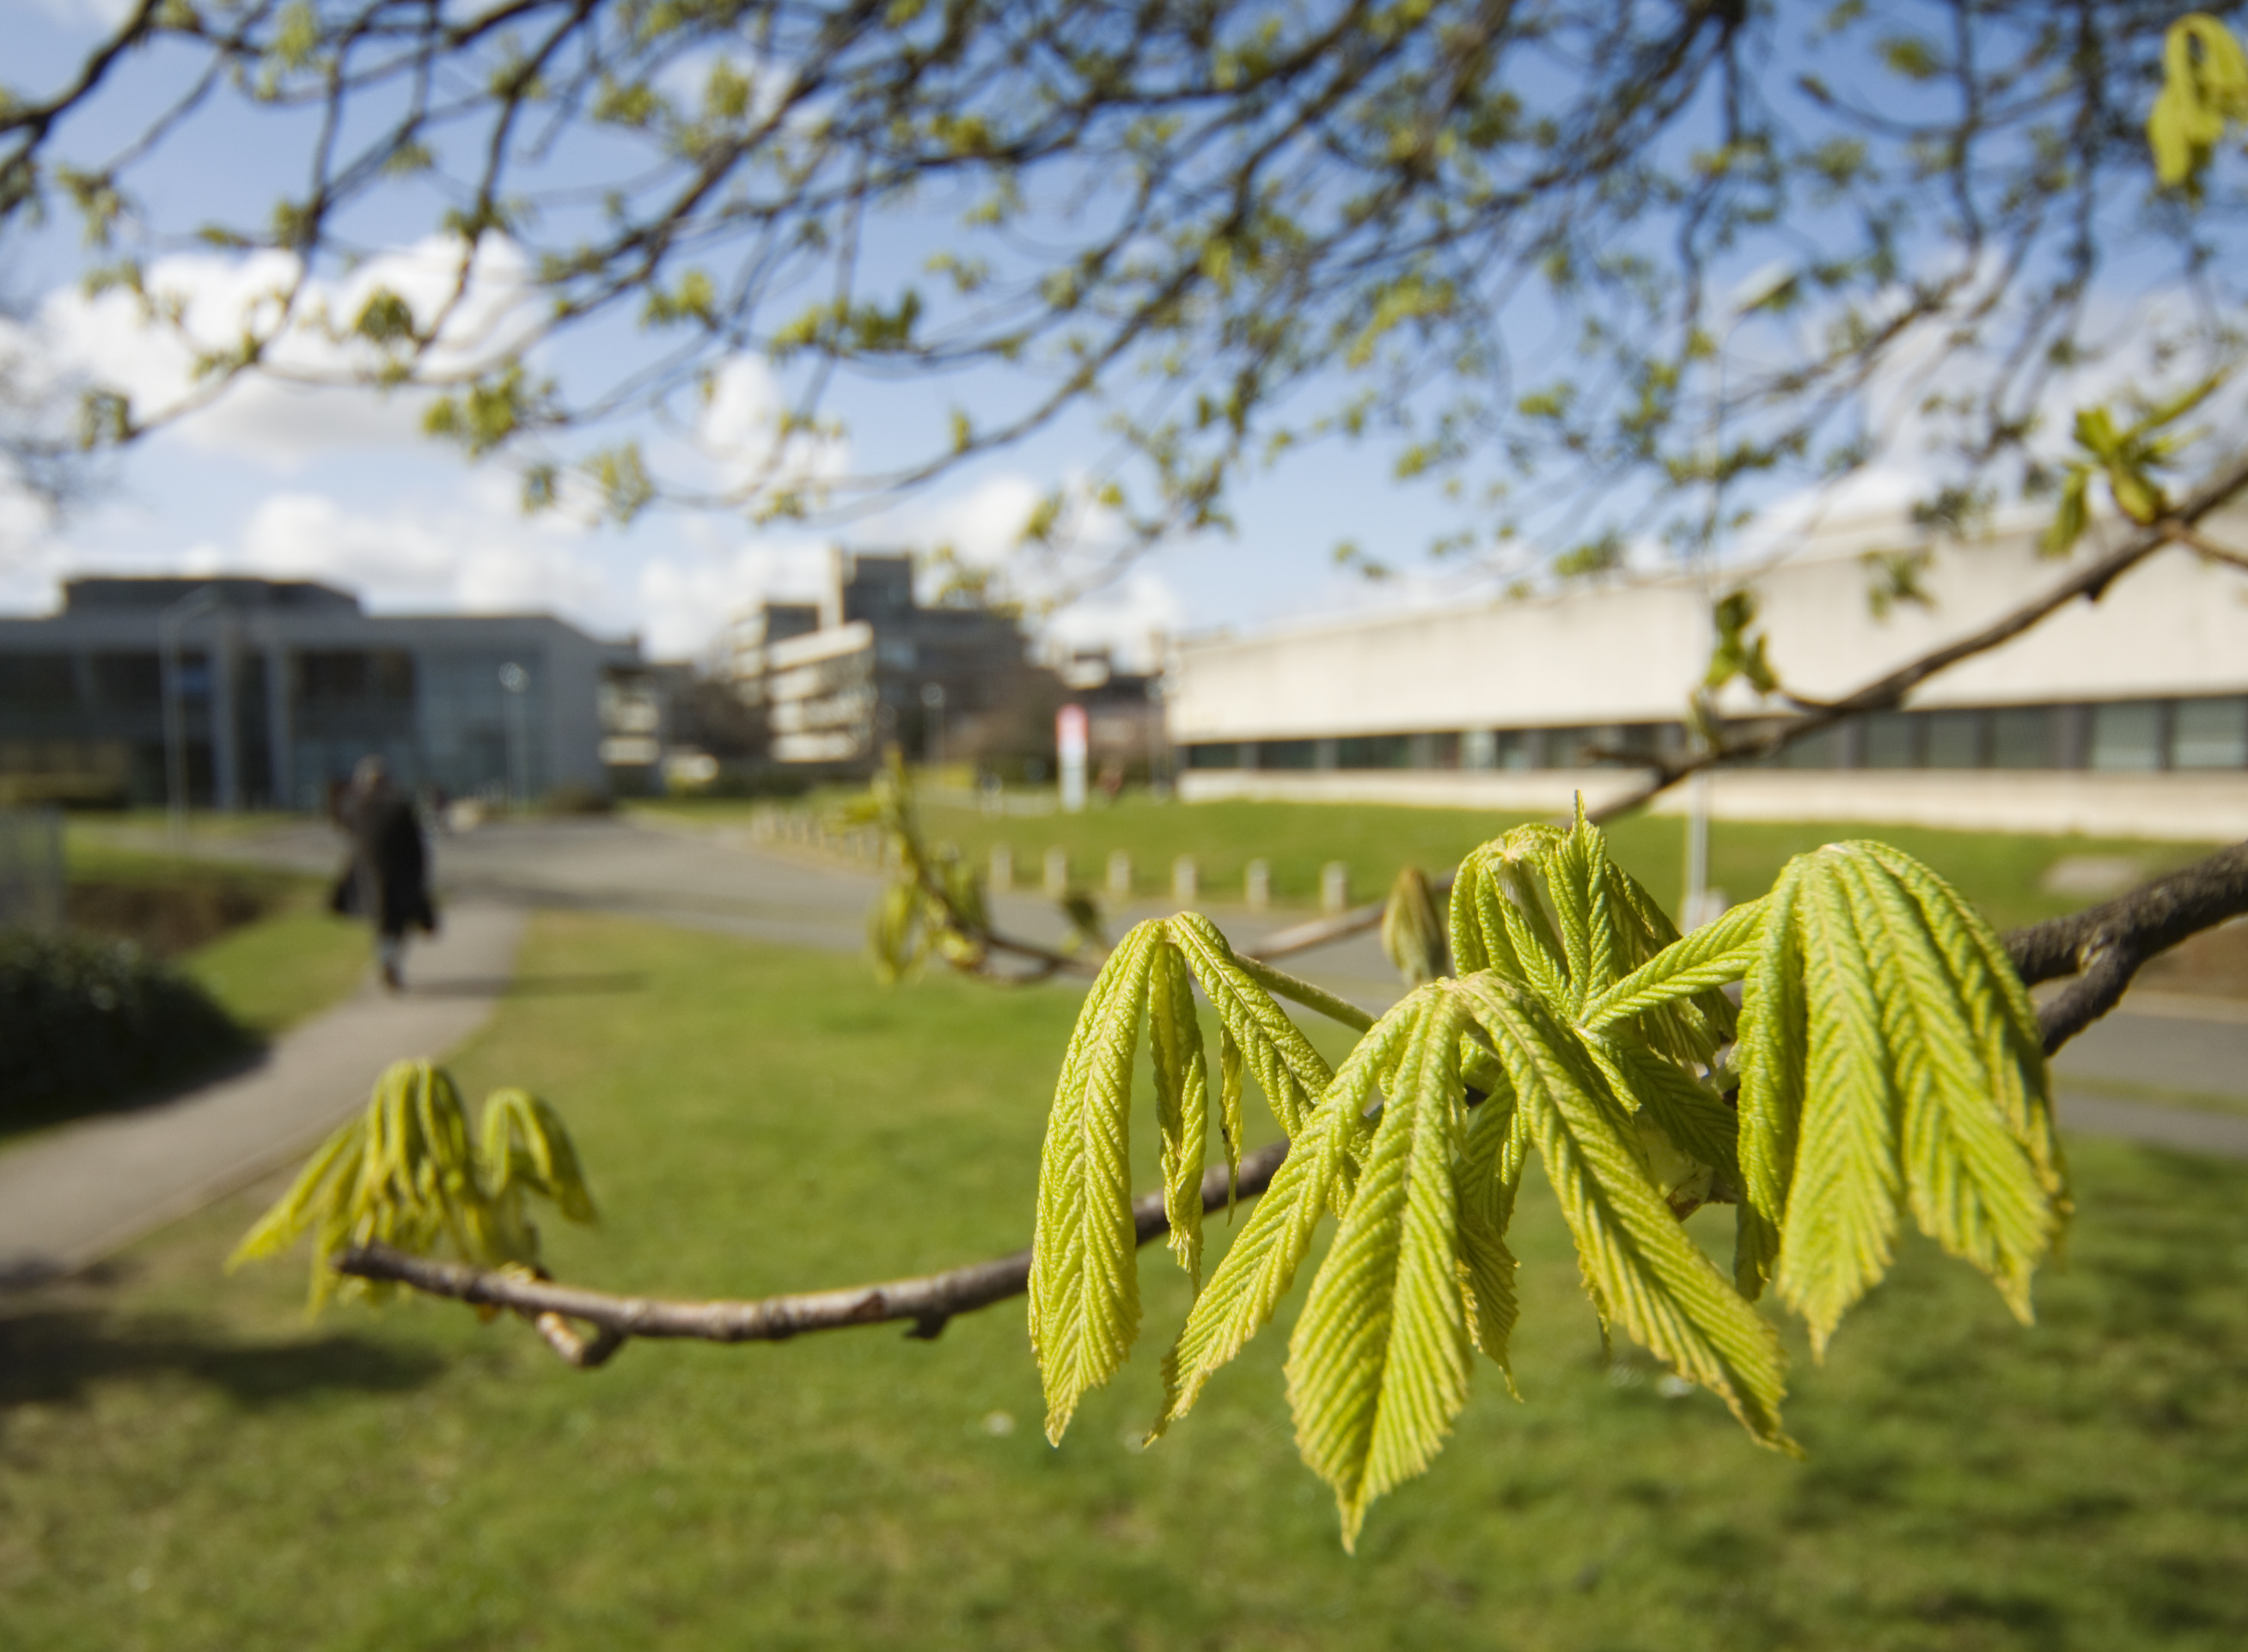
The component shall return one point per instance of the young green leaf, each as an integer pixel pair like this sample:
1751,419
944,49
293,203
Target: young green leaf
1885,1034
1686,1115
1290,1072
1085,1282
1692,1019
1182,1102
1412,935
2204,85
1971,1179
1839,1233
1685,968
335,1166
1770,1058
1229,1113
1378,1365
1312,996
527,1146
1499,921
1261,1263
1577,880
1998,1008
1646,1274
1497,1141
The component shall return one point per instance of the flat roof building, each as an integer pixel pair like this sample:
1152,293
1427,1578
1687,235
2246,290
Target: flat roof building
2126,717
272,689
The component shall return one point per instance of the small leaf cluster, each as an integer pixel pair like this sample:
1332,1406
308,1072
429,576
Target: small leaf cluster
934,903
1884,1060
405,1173
1738,651
2128,459
2205,91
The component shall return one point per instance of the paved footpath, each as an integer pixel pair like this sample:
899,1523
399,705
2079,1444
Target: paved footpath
74,1195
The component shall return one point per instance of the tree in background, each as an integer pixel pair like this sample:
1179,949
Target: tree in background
1510,241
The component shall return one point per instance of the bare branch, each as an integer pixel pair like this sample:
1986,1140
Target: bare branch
928,1301
2104,946
1888,691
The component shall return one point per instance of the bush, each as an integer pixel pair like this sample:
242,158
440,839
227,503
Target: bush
170,918
86,1021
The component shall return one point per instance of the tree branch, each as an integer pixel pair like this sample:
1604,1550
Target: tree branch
1886,693
2187,534
2105,945
928,1301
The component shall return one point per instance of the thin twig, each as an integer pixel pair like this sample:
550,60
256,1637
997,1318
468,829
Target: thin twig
1888,691
1883,693
2186,534
927,1301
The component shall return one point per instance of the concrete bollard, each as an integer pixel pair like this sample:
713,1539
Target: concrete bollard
1120,874
1257,884
1056,872
1186,881
1334,888
1003,869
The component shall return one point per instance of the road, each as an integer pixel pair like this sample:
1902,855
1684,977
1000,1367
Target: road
2120,1077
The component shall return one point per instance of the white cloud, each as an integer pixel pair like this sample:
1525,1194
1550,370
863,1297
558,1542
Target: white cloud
685,601
472,552
266,417
90,14
983,527
737,432
1135,619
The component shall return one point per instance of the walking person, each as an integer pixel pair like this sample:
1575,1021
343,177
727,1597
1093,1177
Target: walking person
386,880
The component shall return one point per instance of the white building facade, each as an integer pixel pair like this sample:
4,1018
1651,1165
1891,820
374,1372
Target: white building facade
2126,717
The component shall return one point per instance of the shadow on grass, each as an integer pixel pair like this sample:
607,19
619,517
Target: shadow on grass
29,1116
549,985
51,1355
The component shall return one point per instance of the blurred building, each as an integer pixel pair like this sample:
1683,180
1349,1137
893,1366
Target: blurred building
2130,716
866,665
272,689
669,725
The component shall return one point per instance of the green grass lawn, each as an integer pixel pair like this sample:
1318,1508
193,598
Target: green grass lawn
286,968
2000,870
186,1463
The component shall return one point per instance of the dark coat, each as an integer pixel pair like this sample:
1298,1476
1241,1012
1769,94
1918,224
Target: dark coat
387,877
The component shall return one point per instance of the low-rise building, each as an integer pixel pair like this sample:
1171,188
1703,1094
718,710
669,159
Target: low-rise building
946,684
260,693
2126,716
